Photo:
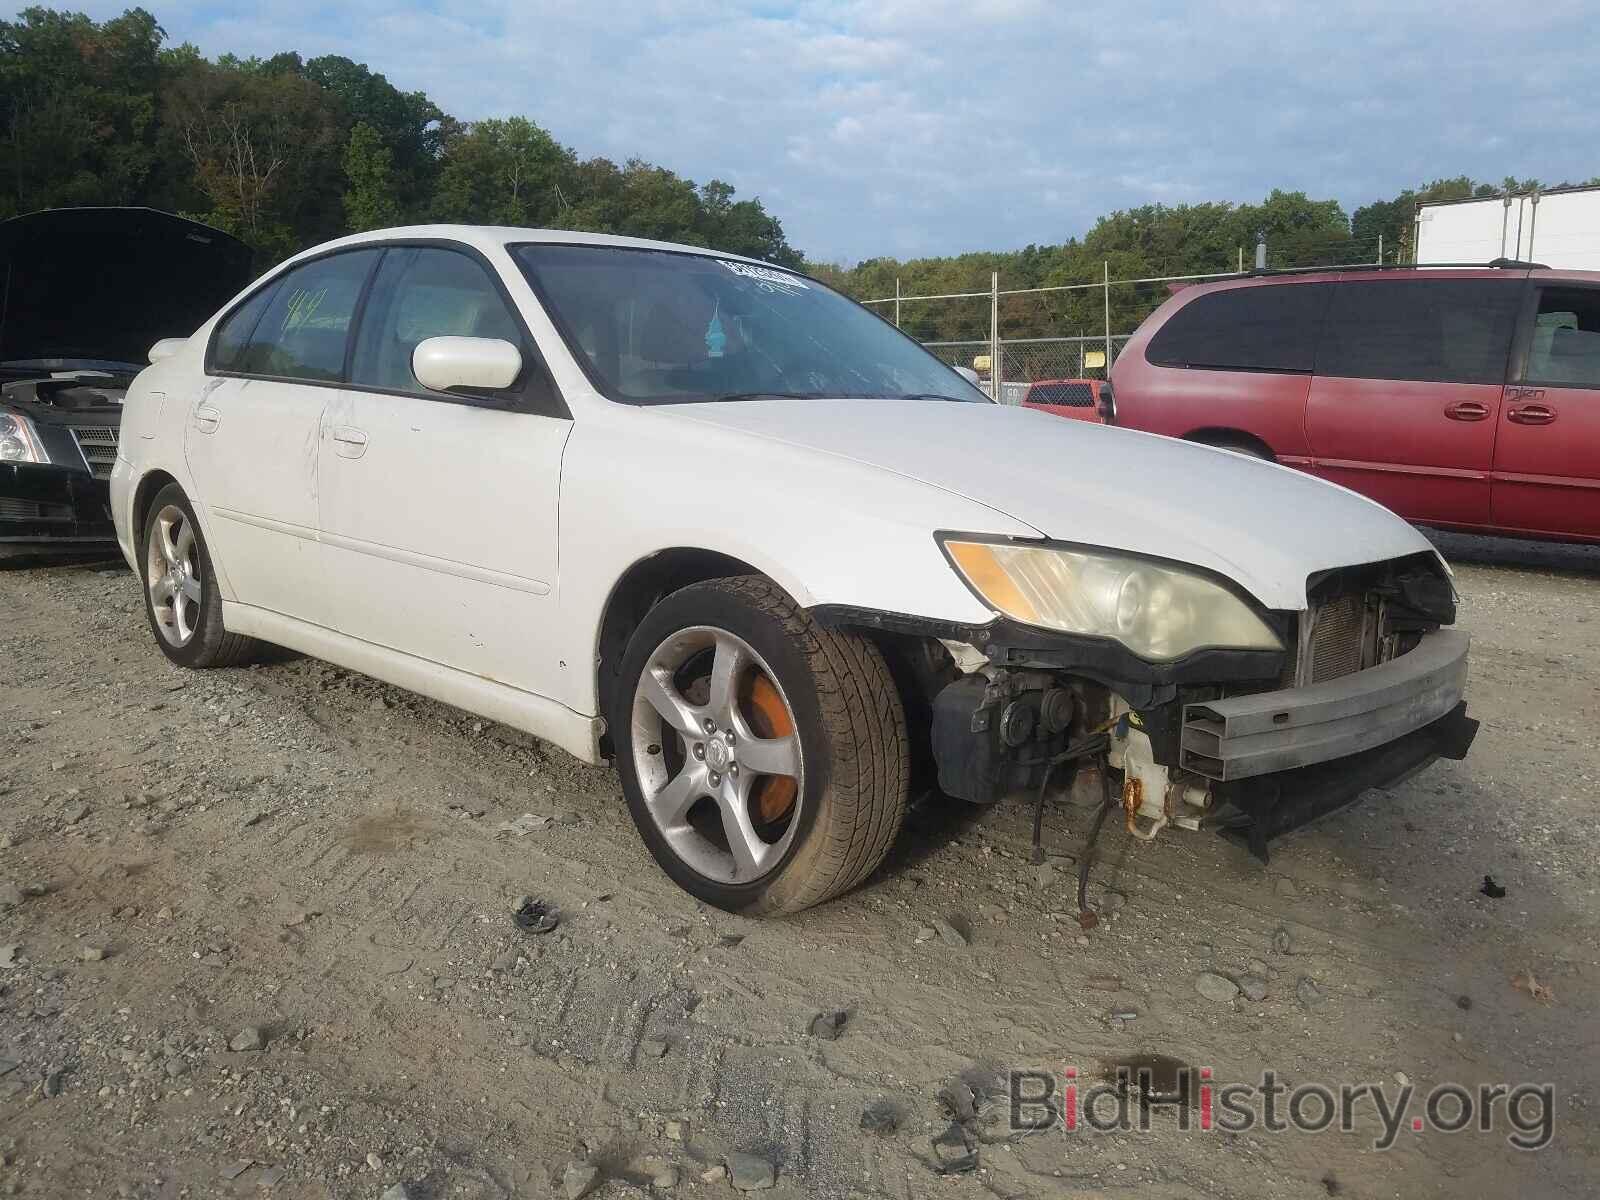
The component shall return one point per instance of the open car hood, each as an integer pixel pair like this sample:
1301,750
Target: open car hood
1266,527
108,283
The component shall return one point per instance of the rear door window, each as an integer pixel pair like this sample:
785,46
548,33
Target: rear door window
305,329
1437,330
1264,327
1565,351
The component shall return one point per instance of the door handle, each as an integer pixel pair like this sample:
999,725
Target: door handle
206,418
1532,414
349,441
1467,410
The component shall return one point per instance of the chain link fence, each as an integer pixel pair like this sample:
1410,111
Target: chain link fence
1013,331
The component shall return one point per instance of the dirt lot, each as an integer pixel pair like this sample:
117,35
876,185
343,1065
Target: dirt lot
300,850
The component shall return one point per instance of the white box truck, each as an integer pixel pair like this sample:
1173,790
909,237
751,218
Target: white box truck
1559,228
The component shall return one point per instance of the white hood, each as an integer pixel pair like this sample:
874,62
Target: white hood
1264,526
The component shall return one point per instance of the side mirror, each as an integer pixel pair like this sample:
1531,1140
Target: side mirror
483,364
166,348
968,374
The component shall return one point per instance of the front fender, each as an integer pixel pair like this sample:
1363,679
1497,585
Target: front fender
828,530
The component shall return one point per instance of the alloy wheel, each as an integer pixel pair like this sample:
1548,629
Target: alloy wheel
172,575
718,754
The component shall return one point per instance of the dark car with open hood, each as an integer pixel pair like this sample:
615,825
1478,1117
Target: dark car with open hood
86,293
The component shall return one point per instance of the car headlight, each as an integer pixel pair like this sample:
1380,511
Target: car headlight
1158,611
19,441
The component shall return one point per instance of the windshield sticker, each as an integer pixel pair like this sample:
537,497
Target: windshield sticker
767,279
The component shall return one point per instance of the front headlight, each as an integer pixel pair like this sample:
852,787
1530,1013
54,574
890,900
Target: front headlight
1159,612
19,441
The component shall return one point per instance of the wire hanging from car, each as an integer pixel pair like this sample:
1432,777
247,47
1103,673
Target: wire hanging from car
1093,744
1087,857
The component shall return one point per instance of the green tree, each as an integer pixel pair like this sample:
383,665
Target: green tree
504,172
369,200
79,108
264,149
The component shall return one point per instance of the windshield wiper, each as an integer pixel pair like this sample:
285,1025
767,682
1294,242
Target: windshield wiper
732,396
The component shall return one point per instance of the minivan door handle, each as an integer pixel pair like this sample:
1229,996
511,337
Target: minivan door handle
1532,414
349,442
206,418
1467,410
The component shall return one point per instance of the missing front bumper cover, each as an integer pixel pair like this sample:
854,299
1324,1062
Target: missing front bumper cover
1273,732
1253,811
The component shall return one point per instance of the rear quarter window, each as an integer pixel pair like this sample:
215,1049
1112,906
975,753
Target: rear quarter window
1266,327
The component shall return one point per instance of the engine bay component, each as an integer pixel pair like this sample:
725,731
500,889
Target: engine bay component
991,737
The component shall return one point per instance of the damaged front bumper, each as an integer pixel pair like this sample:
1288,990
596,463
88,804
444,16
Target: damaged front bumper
1268,732
1279,760
1258,808
46,508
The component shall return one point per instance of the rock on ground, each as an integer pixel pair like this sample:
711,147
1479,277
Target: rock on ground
751,1172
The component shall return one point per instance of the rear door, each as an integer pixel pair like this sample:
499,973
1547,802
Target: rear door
1405,400
253,431
1547,453
439,510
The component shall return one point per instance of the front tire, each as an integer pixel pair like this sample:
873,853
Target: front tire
764,758
180,591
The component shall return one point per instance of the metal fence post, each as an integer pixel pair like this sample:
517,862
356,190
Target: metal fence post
897,302
1380,249
1105,267
995,375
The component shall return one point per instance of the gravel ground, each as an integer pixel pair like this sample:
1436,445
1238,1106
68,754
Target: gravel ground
256,938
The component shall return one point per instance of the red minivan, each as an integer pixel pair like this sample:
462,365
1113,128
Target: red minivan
1462,397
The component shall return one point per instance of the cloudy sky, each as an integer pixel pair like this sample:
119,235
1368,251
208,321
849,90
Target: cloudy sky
907,127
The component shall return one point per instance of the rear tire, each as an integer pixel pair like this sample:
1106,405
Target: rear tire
818,704
181,599
1239,446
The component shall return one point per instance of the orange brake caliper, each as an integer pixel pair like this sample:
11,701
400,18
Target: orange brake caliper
773,795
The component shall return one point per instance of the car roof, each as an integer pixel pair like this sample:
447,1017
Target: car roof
1424,271
486,237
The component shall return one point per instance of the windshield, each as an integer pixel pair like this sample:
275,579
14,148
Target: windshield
658,327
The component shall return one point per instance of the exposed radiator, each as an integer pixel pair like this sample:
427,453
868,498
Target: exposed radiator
1337,643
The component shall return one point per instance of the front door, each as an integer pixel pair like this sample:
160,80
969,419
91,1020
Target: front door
254,428
1547,455
1405,400
439,511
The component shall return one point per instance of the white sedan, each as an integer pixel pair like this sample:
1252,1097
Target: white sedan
707,519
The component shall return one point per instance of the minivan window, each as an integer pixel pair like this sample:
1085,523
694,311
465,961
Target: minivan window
663,327
306,325
422,292
1440,330
1566,339
1263,327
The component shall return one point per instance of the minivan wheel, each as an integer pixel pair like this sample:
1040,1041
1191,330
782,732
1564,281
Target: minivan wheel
764,758
180,593
1239,446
